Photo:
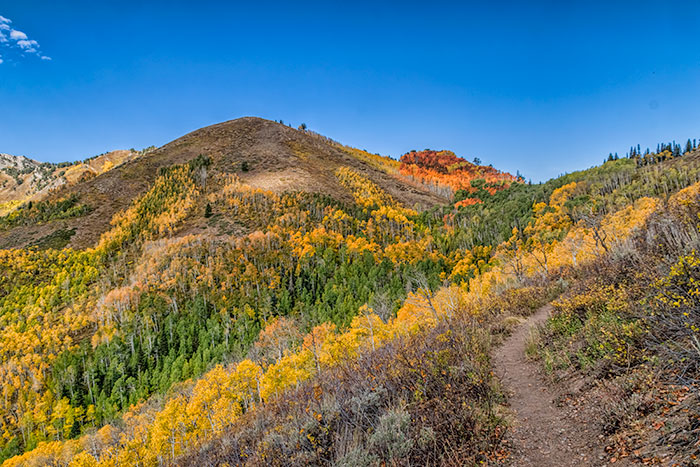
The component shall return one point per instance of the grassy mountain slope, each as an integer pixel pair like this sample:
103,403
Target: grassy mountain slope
23,179
24,182
268,296
262,153
621,268
287,223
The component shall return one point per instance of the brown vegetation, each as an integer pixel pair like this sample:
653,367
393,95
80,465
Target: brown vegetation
262,153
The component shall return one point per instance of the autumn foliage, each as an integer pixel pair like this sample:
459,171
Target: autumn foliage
443,169
301,329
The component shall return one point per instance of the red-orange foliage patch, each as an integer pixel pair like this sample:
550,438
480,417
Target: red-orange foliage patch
468,202
447,169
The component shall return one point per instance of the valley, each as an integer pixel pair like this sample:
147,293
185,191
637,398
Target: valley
255,294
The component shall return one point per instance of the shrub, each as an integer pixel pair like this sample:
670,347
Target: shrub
423,400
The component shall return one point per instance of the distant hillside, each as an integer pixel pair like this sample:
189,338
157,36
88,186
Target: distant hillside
23,179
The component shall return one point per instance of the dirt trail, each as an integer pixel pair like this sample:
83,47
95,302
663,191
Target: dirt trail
543,434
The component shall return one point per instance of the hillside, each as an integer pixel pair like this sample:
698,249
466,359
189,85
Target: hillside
23,179
250,294
263,154
451,175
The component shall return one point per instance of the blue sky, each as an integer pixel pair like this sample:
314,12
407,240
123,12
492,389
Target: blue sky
540,87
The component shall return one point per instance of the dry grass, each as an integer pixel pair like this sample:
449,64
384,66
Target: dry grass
277,158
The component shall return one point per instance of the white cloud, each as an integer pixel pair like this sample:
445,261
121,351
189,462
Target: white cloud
17,35
21,40
28,45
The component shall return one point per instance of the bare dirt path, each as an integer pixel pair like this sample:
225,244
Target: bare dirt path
543,434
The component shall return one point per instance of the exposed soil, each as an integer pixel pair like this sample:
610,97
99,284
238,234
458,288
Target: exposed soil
543,433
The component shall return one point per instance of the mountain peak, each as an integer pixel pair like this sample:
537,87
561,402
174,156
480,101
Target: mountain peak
262,154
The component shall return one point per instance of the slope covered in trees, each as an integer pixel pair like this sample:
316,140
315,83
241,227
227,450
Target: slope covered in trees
450,175
145,309
262,153
220,320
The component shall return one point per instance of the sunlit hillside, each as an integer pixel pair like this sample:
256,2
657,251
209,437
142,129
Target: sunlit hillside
259,295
